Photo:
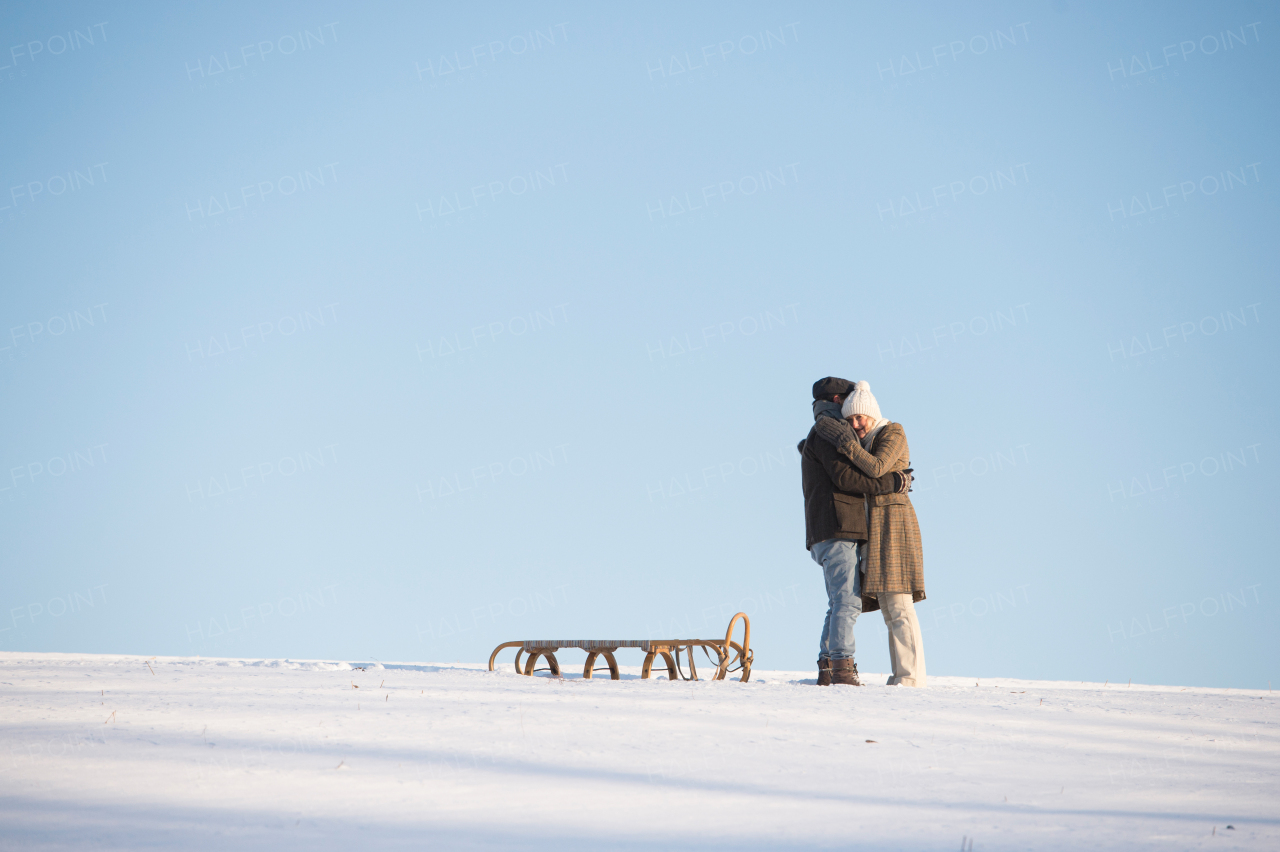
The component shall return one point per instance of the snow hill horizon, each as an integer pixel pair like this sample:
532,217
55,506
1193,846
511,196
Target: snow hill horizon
113,751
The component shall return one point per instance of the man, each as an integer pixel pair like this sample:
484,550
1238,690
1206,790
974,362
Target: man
835,520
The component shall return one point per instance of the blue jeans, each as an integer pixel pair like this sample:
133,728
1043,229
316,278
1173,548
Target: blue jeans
840,569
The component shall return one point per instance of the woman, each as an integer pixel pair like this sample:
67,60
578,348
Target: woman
892,557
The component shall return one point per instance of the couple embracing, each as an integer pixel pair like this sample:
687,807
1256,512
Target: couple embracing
861,528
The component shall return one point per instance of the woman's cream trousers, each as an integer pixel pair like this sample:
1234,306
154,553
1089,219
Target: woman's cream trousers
906,648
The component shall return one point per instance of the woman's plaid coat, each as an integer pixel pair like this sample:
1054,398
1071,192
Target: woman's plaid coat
894,560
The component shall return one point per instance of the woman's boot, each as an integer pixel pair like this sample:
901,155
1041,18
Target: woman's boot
845,672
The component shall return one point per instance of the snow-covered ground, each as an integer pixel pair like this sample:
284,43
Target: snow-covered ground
109,752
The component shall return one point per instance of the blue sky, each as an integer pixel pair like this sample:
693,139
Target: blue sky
398,332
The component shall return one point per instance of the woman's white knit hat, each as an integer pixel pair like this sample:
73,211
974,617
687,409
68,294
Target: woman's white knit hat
860,402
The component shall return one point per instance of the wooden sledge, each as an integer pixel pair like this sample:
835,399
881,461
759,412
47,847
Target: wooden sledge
730,656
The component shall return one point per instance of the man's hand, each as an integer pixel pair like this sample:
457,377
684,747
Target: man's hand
839,433
904,480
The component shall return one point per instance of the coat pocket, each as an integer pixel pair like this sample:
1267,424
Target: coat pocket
891,500
850,513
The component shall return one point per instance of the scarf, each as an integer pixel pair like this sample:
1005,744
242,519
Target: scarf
824,408
872,433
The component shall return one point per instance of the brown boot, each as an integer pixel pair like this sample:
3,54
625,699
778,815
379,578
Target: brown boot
845,672
824,672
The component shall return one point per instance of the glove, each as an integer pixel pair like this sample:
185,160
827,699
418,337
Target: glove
904,480
839,433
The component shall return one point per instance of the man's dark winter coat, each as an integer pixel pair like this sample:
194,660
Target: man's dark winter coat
833,493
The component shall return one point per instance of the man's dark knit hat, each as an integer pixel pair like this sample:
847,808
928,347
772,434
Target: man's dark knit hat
831,385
